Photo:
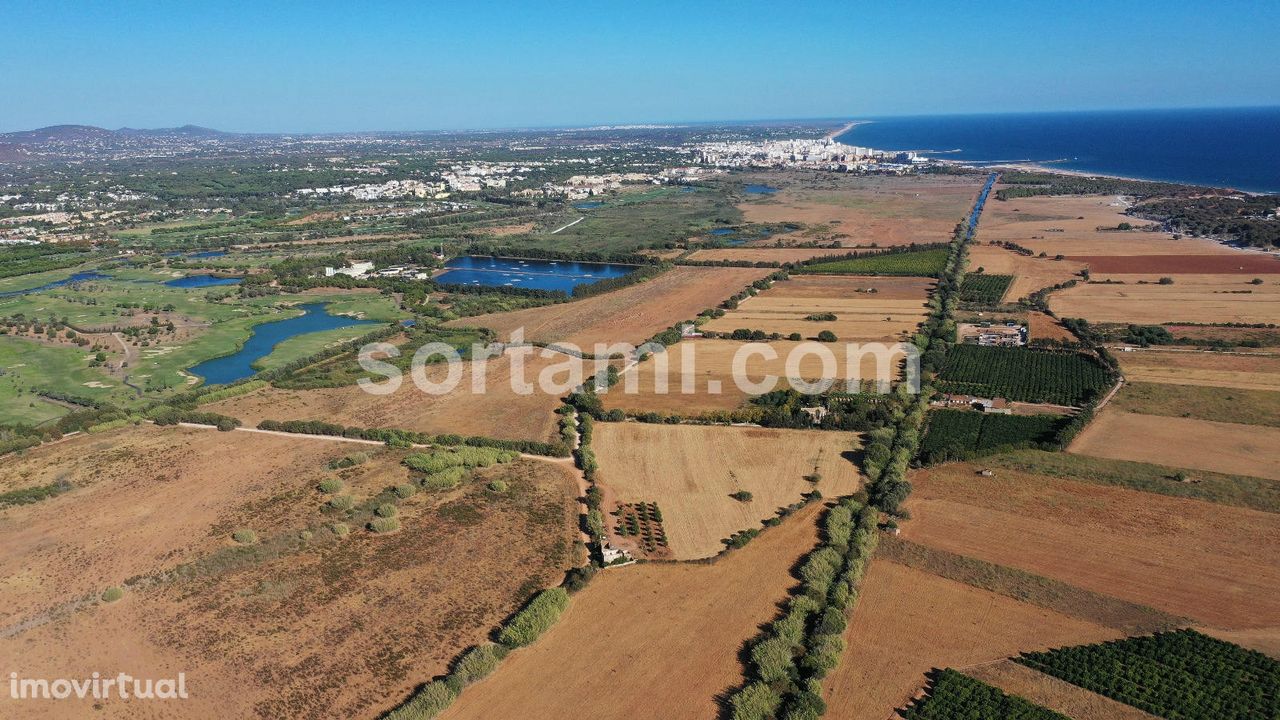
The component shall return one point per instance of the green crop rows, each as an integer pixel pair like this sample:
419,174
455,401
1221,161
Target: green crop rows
1181,675
961,434
959,696
924,263
1063,378
987,289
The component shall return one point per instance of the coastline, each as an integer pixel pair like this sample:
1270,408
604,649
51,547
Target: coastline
847,127
1048,169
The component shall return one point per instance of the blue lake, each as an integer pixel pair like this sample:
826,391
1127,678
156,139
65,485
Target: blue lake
200,281
755,189
588,205
536,274
266,336
78,277
208,254
723,231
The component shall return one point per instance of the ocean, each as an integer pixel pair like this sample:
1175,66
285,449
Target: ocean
1237,148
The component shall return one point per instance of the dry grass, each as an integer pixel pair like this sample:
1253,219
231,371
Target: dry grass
285,628
630,315
1029,273
765,254
712,367
908,622
1183,442
1250,372
1191,298
1218,564
499,412
653,640
690,471
892,312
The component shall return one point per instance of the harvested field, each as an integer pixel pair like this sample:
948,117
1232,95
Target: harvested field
1045,327
871,209
1250,407
908,622
499,412
1264,640
1029,273
892,312
1183,442
677,627
1058,695
1190,298
302,622
1069,225
712,367
1215,563
765,254
1243,263
1214,369
504,230
630,315
691,470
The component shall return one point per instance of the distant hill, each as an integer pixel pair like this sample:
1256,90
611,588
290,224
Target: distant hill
74,133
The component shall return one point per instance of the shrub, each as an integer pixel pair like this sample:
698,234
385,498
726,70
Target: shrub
306,535
330,485
433,699
477,663
756,701
342,502
741,496
384,524
386,510
339,529
445,480
244,536
498,486
773,659
347,461
112,594
826,336
578,577
536,617
406,490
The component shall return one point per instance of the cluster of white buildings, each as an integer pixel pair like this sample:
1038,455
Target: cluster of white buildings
390,190
580,187
822,154
365,269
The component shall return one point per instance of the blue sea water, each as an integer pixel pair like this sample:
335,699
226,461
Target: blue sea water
535,274
1237,147
265,337
200,281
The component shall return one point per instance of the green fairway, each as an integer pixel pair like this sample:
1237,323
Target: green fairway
27,366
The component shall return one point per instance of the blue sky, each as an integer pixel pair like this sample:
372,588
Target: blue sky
334,66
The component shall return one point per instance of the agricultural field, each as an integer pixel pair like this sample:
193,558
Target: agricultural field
908,622
1172,675
500,411
918,263
985,288
1183,442
1029,273
1247,407
952,695
865,308
1244,263
691,472
965,434
1061,378
1215,564
1045,327
1212,369
630,315
869,210
763,254
1143,300
278,623
677,626
711,363
1047,691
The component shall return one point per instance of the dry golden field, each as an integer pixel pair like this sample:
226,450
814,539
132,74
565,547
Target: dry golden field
866,308
871,209
296,625
690,471
654,640
1217,564
630,315
1029,273
712,363
765,254
1058,695
908,622
1191,298
499,411
1250,372
1182,442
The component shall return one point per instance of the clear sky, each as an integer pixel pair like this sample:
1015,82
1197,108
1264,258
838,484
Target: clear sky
334,66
